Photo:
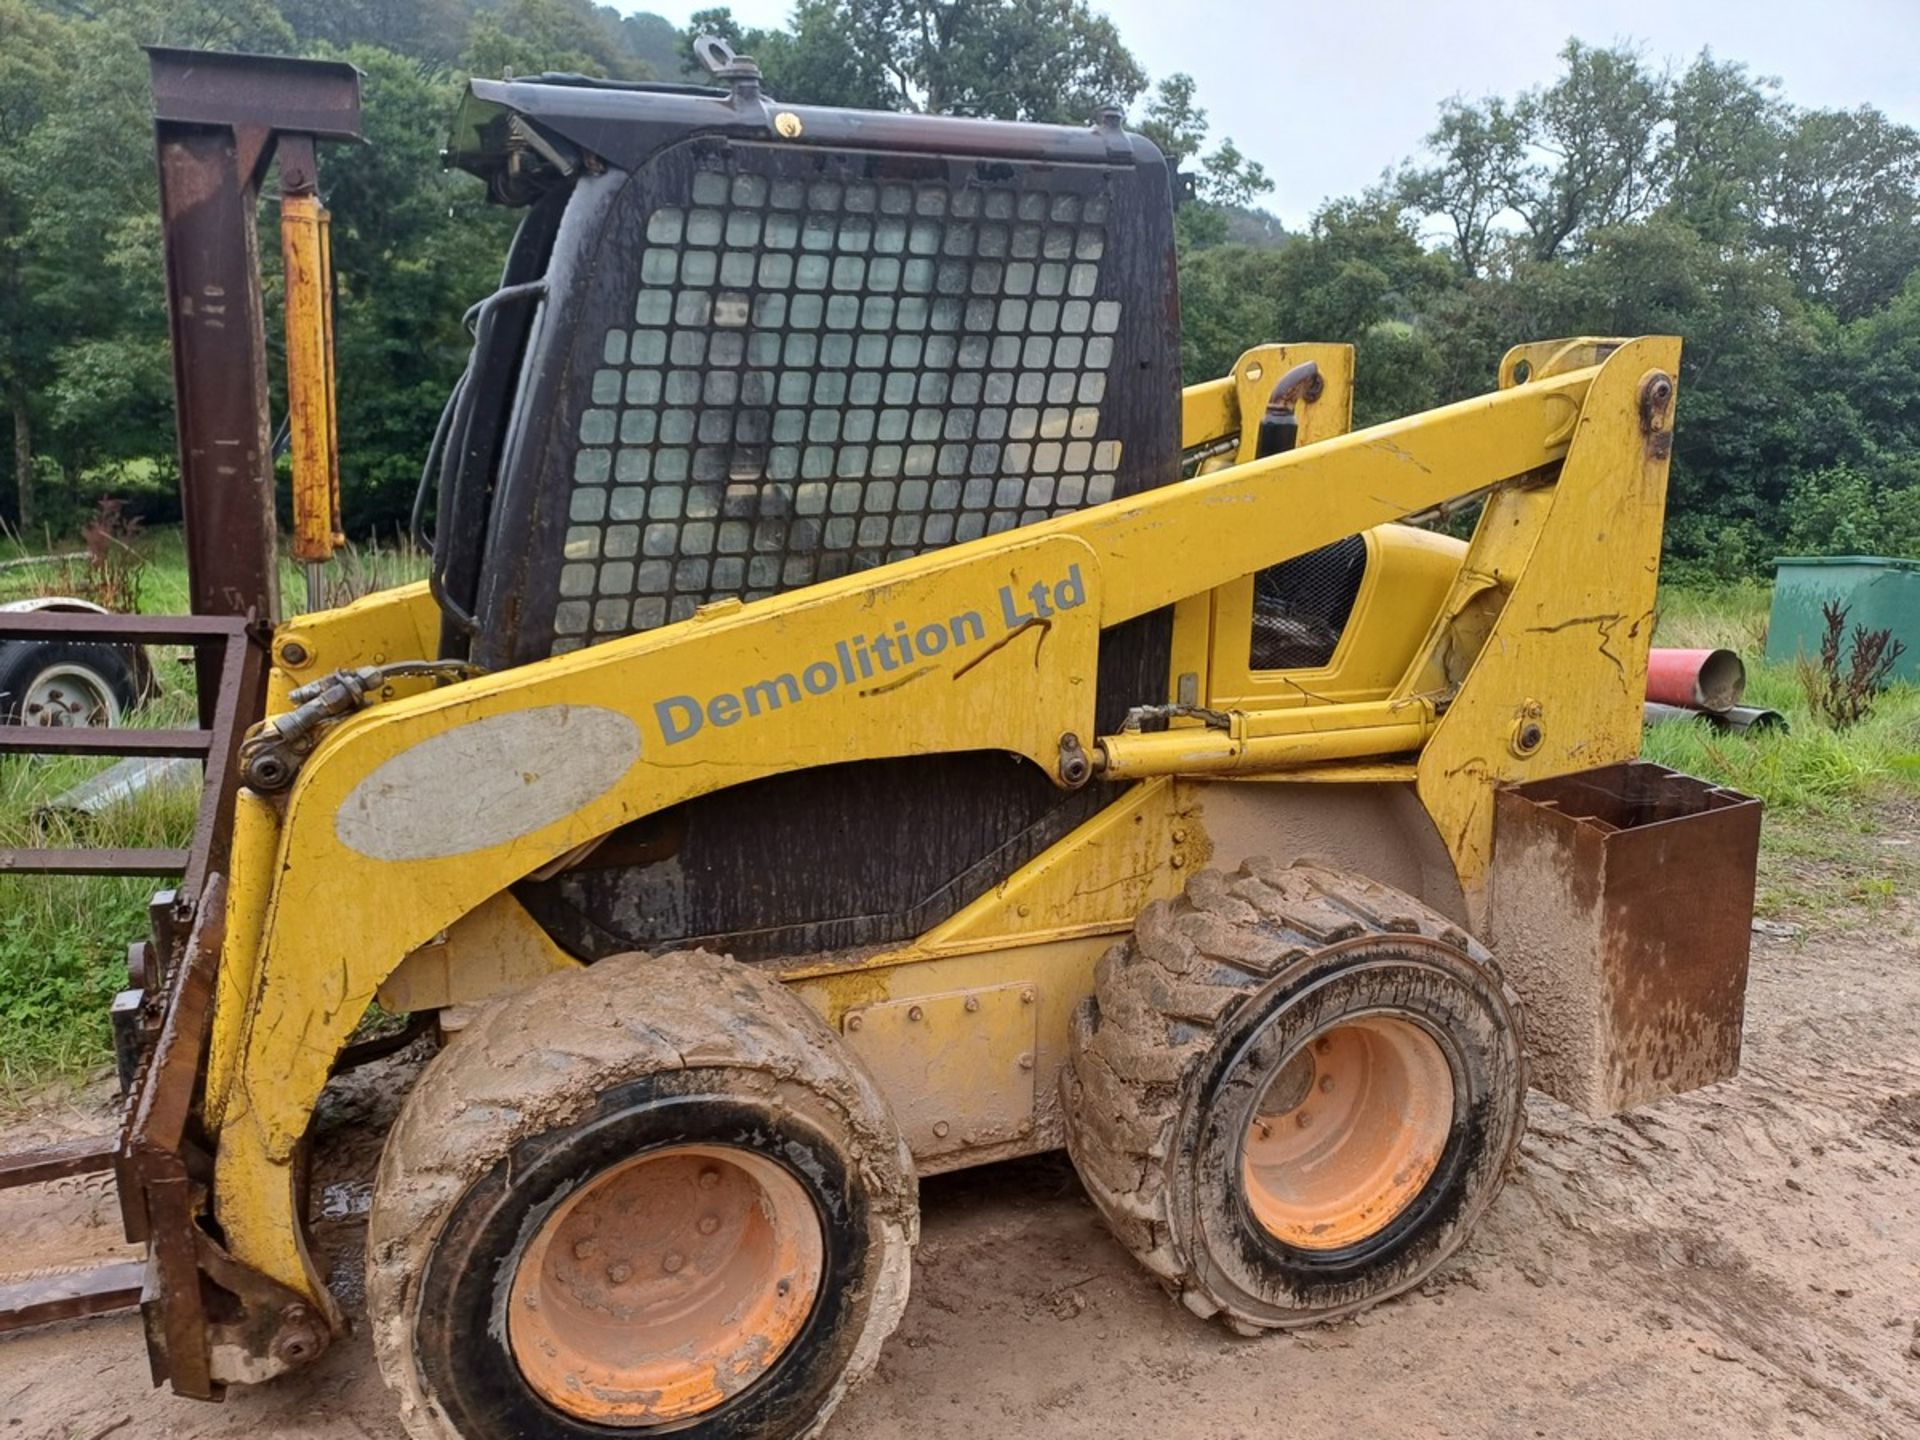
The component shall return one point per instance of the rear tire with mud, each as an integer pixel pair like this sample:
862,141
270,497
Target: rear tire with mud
654,1195
1294,1092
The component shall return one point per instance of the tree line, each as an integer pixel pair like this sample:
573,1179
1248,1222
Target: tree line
1621,197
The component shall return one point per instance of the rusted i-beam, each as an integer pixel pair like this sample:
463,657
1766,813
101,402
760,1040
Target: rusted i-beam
217,122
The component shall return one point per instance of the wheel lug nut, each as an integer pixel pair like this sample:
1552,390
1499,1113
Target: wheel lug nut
1326,1084
584,1249
1303,1119
709,1224
709,1178
673,1262
619,1273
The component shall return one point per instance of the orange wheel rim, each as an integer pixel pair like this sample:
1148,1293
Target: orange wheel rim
1347,1133
666,1285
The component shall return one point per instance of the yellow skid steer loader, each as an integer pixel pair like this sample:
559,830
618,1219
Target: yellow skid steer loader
866,720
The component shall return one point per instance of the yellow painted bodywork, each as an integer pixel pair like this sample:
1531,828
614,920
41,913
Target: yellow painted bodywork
494,947
1409,574
959,1067
410,819
398,624
1041,929
1279,739
1567,650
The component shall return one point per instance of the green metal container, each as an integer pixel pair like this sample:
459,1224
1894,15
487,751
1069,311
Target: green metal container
1880,593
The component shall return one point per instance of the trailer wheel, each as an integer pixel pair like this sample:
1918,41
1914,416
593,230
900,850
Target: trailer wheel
653,1195
66,684
1294,1092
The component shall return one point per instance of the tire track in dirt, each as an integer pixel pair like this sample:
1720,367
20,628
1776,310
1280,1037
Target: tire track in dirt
1756,1205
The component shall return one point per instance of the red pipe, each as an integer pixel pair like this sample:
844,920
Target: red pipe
1698,679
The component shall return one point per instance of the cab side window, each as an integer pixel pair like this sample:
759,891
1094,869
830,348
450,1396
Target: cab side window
1301,606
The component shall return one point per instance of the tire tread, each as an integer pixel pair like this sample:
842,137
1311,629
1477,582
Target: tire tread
536,1058
1161,997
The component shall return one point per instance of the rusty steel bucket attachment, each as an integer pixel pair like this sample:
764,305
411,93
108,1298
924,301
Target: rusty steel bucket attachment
1622,911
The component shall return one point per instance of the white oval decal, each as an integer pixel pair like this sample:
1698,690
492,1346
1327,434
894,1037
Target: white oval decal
487,782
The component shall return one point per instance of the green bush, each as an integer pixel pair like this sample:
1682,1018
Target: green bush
1845,510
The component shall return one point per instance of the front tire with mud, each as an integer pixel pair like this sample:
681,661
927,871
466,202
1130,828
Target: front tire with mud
654,1195
1294,1092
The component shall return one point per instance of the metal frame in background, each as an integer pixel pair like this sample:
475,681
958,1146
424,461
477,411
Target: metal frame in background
153,1133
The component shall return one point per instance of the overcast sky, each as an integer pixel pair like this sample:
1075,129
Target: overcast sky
1328,95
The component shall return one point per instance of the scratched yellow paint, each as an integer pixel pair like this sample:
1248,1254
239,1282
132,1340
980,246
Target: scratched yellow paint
1094,882
398,624
1569,646
337,921
494,947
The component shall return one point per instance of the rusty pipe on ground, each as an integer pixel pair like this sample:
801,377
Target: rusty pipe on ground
1696,679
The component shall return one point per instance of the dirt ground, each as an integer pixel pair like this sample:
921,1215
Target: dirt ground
1737,1262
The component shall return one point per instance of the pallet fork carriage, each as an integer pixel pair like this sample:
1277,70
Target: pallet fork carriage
220,122
829,576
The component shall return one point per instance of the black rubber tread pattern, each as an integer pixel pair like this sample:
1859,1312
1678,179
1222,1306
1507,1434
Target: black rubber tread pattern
537,1059
1160,998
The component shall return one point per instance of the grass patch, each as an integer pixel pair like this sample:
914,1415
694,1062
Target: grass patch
1730,616
1811,769
63,939
354,570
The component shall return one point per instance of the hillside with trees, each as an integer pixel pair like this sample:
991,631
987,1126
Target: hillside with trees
1622,197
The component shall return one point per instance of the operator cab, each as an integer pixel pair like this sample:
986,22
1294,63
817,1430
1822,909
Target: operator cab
742,347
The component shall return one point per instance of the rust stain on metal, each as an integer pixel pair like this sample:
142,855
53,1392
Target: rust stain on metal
1039,622
898,682
232,699
1621,904
99,1290
217,120
55,1162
